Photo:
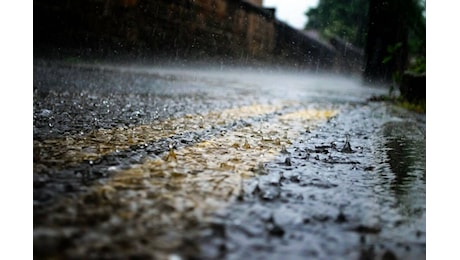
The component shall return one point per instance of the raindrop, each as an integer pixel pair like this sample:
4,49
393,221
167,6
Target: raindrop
226,166
341,218
136,114
284,150
347,147
288,161
261,170
45,113
276,230
171,155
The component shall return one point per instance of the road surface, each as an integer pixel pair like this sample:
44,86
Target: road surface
164,162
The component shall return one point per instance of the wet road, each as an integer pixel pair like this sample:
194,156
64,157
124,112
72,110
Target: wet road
157,162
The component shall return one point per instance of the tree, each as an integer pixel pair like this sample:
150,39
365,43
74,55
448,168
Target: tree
396,29
392,32
346,19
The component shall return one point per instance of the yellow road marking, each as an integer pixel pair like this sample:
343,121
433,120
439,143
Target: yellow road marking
163,198
75,149
195,181
233,156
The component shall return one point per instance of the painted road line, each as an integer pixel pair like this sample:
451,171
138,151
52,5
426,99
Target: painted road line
179,190
75,149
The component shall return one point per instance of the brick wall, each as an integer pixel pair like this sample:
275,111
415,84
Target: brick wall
232,30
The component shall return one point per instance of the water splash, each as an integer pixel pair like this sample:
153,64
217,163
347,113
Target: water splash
347,146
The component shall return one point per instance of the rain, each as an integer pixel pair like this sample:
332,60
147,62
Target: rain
214,130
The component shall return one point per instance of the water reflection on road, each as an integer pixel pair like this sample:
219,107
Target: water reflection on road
406,150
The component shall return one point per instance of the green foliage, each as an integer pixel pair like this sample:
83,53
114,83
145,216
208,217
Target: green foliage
418,66
392,50
419,107
417,37
346,19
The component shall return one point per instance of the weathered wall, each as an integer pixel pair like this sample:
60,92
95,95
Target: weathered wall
351,59
294,46
232,30
181,27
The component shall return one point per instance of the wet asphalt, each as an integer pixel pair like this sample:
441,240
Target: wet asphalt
346,179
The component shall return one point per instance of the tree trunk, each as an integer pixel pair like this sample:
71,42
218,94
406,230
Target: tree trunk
387,40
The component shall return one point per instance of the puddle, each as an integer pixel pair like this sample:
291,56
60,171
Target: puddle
405,145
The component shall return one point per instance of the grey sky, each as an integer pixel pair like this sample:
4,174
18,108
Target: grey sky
291,11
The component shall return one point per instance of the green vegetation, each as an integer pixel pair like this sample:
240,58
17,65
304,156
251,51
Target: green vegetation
419,107
418,65
346,19
392,32
400,29
415,106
